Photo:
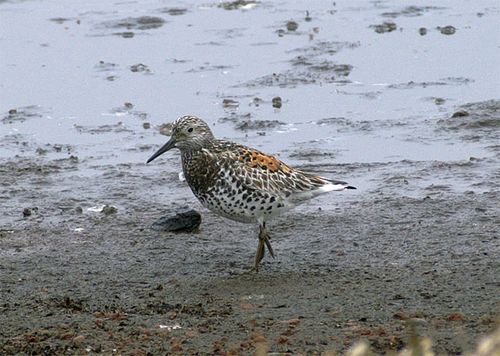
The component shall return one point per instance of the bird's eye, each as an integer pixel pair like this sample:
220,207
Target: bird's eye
190,129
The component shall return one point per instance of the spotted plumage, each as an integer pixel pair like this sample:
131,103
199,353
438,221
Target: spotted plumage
238,182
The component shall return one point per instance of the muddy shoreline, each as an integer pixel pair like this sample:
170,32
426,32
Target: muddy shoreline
362,269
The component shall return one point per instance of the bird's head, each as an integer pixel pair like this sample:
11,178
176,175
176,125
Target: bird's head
188,133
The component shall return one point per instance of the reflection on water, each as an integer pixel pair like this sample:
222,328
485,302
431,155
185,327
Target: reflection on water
360,94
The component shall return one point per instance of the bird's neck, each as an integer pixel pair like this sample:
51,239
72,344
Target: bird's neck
190,153
197,170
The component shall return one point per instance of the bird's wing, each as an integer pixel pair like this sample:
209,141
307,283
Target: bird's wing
264,172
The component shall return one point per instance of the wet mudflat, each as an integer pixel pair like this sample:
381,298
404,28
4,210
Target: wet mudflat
350,91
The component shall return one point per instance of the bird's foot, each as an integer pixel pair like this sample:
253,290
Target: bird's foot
264,241
254,269
267,241
266,238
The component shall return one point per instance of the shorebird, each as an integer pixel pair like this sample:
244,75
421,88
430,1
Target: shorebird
239,182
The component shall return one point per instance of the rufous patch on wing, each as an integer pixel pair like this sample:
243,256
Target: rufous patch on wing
258,159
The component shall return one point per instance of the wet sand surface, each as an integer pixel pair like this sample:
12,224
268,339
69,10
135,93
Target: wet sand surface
351,91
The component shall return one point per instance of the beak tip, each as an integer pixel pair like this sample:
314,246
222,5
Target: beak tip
170,144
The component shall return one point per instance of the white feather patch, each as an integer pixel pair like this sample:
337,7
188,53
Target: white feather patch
302,196
331,187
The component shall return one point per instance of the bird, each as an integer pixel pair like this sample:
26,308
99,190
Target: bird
239,182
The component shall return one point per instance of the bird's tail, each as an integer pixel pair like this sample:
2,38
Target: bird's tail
335,185
328,185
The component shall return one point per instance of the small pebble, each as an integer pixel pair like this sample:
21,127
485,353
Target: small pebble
422,31
277,102
136,68
109,210
460,113
308,18
292,26
447,30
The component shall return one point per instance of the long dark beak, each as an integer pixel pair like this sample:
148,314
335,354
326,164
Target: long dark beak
169,145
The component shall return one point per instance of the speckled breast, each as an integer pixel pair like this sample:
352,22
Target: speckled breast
223,191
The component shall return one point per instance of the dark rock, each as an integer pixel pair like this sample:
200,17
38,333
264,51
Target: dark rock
277,102
292,26
184,219
137,68
422,31
460,113
30,211
109,210
447,30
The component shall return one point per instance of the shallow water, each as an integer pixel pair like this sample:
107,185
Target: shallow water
67,62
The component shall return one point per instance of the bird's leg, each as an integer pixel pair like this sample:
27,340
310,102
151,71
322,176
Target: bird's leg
266,237
259,255
263,239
